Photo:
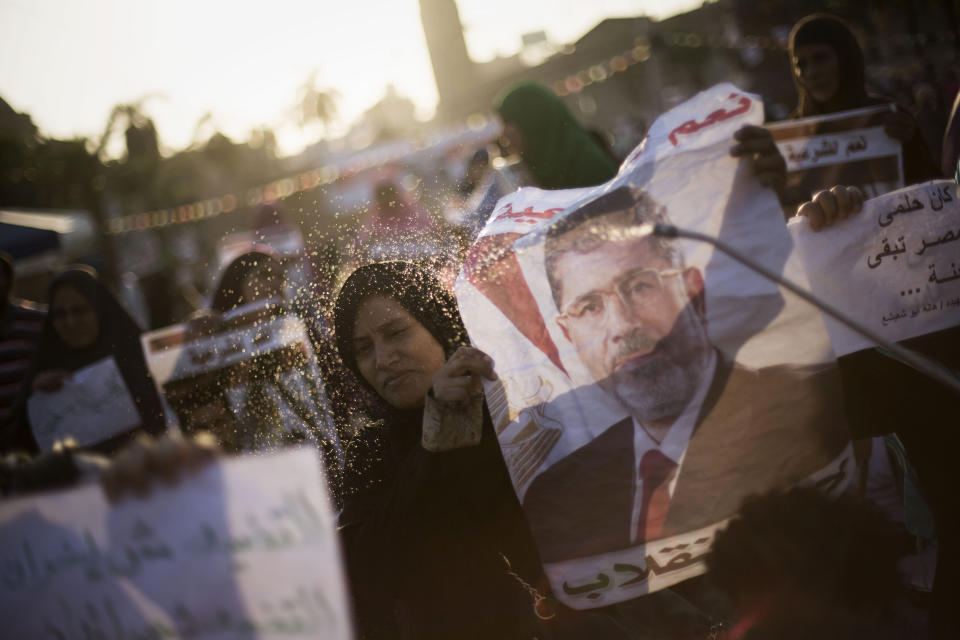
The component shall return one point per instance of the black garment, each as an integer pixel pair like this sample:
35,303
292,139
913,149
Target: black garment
918,164
884,396
424,531
118,336
426,535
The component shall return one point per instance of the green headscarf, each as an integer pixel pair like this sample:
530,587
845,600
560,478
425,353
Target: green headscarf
558,151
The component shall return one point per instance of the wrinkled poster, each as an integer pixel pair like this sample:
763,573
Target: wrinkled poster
849,148
647,385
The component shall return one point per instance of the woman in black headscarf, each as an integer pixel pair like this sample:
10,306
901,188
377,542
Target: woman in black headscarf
86,324
430,523
829,72
882,395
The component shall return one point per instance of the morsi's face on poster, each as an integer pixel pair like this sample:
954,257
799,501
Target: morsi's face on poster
632,310
631,434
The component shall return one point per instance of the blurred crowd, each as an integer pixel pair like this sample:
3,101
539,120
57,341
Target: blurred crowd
435,542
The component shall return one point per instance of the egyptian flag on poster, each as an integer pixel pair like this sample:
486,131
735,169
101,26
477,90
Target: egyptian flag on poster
646,385
848,148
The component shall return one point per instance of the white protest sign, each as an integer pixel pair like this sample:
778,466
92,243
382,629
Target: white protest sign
646,385
245,548
894,267
849,147
92,405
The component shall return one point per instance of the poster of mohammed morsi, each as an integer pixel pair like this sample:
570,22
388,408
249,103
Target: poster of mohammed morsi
646,384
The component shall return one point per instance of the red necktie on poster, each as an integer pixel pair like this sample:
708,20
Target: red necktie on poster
656,470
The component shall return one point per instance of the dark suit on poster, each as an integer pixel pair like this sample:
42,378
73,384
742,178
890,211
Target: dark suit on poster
757,430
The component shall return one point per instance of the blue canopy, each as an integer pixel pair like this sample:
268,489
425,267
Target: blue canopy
24,241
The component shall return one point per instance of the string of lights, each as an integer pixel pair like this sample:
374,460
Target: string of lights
573,83
230,202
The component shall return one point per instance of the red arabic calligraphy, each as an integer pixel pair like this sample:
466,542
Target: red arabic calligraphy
692,126
636,152
527,216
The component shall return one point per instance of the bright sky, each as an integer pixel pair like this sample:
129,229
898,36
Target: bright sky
67,62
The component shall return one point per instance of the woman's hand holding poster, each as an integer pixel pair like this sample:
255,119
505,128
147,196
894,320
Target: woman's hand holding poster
647,385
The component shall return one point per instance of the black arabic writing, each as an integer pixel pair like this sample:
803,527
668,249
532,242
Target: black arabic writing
908,205
594,589
887,251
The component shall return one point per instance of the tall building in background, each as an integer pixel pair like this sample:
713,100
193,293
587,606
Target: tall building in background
453,70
